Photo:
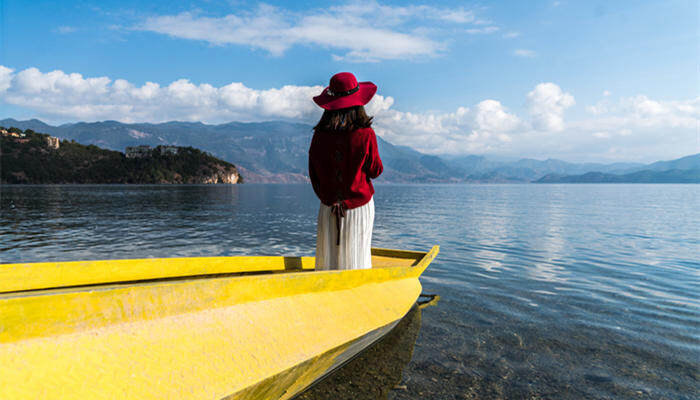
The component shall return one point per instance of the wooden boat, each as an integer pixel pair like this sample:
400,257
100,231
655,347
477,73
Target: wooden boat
193,328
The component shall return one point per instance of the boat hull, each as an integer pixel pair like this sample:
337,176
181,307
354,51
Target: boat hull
296,379
262,335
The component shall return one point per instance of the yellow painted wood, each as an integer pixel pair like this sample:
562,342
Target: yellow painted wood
203,336
14,277
33,276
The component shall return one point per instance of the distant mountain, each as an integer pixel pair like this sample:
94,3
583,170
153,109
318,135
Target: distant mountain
403,164
681,170
276,151
33,124
684,163
482,169
644,176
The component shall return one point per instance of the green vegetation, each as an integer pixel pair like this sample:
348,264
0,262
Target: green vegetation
29,159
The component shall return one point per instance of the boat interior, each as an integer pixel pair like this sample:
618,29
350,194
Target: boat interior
29,277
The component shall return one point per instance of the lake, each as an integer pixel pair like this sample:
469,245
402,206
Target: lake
547,291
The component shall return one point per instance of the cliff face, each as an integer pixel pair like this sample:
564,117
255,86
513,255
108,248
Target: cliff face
229,178
227,174
33,159
222,177
211,175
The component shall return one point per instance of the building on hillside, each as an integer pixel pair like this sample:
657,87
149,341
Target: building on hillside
169,150
53,142
138,151
9,133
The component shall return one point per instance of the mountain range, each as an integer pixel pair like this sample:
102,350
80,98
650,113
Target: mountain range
276,151
645,176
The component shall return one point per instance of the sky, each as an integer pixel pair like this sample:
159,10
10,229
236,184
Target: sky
600,81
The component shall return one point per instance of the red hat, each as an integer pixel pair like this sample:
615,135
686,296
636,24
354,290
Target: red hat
344,91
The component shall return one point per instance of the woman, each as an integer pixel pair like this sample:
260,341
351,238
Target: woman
343,158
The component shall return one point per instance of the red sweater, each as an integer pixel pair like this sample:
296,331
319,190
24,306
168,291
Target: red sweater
342,164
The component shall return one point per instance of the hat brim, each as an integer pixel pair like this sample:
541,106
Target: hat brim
359,98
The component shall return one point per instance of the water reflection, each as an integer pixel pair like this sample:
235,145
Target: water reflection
377,371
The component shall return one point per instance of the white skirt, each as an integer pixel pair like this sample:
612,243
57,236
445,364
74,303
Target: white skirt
354,251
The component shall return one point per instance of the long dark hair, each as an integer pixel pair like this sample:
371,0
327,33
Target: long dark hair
344,120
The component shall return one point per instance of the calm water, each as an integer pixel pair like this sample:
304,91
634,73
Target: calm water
548,291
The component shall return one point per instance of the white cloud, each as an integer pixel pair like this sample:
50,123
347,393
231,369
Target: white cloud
66,29
524,53
511,35
491,116
641,112
637,128
625,132
365,31
598,108
460,16
379,104
485,127
547,103
396,15
5,78
58,94
484,30
631,128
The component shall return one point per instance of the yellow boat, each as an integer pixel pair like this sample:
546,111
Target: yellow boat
193,328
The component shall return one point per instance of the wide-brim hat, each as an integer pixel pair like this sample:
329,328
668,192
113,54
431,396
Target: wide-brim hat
344,91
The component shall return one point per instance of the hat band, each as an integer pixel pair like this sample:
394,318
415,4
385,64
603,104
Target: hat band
341,94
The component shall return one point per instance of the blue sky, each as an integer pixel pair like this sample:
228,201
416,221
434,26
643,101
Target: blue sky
580,80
